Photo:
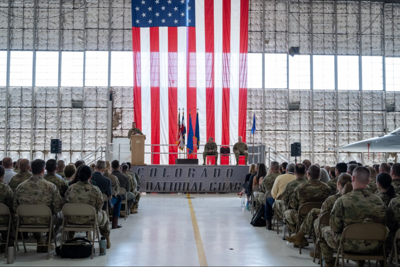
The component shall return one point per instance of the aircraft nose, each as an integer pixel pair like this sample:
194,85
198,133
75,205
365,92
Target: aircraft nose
356,147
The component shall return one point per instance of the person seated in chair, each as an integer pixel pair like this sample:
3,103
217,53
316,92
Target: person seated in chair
240,148
210,149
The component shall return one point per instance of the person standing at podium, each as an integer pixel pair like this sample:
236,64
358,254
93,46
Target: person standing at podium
240,148
133,131
210,149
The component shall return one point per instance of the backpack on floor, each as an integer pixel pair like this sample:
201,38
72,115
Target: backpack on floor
81,248
258,219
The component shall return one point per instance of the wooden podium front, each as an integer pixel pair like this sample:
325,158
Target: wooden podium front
137,149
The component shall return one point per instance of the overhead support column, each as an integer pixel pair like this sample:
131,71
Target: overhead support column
33,77
7,78
312,80
84,74
59,70
263,75
109,102
287,75
360,81
384,67
336,83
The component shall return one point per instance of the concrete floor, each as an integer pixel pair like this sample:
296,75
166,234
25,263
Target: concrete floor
162,233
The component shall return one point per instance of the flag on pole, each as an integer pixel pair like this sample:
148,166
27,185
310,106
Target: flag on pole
253,129
197,134
190,54
190,136
182,132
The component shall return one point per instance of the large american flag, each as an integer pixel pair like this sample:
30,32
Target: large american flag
191,55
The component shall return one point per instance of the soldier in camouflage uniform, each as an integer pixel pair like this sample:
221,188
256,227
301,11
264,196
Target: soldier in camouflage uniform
240,148
133,189
6,198
340,168
51,167
85,192
358,206
267,183
395,173
311,191
114,180
22,176
393,219
210,149
61,167
385,188
133,131
37,190
310,223
281,204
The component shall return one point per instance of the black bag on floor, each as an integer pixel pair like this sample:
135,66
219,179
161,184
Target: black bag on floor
258,219
83,248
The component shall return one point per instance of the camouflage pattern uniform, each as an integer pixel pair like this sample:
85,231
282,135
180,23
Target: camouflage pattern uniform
358,206
266,187
210,146
240,148
61,184
133,131
6,198
385,198
114,182
396,185
84,192
372,185
310,191
62,174
37,190
280,206
393,222
333,185
18,179
310,223
133,188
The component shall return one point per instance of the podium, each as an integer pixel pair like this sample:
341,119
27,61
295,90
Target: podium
137,149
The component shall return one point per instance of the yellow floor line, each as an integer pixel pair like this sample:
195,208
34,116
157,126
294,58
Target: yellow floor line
197,236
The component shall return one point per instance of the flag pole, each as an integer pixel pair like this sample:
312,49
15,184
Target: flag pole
253,145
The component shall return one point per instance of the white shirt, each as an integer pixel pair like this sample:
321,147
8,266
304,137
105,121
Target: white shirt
8,174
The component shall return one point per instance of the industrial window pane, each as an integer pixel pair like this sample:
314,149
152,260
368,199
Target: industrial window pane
348,73
392,74
275,71
324,72
121,69
46,68
299,72
21,68
254,65
96,68
3,68
372,73
72,69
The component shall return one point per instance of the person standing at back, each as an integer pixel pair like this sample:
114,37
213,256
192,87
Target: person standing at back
358,206
37,190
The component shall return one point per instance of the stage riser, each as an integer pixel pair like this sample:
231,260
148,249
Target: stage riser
184,178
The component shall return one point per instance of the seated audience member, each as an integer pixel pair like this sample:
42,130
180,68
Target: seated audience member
250,185
393,222
51,167
307,164
282,201
312,190
327,168
372,181
282,167
384,167
358,206
105,187
69,172
93,167
395,173
252,170
310,224
332,174
261,173
268,182
37,190
324,176
6,198
385,188
351,168
84,192
61,168
340,168
134,185
125,183
8,166
277,189
79,163
22,176
114,180
16,166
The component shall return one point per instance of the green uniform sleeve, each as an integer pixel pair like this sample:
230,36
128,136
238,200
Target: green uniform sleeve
336,221
294,202
58,201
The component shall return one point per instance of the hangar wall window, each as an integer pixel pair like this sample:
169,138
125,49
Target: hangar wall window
372,73
392,74
275,71
121,69
254,65
299,72
96,68
46,69
72,69
348,73
21,68
324,72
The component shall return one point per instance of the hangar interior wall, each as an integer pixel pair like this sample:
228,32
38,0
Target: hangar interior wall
328,115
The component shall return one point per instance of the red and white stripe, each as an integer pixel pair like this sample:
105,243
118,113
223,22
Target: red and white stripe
202,68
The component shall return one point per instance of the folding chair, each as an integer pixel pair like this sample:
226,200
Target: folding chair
367,232
5,211
122,191
80,210
277,221
303,211
323,220
35,211
393,253
105,199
